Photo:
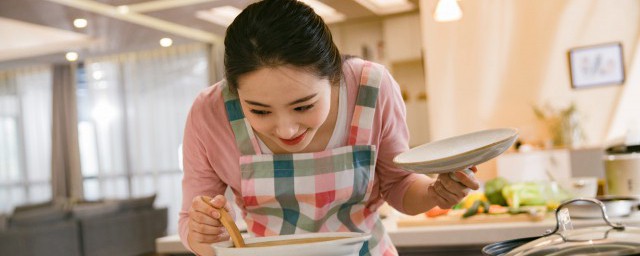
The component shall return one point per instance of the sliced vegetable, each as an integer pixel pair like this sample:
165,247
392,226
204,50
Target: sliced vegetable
498,209
471,198
473,210
485,206
436,211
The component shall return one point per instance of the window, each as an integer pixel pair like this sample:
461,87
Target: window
25,137
132,110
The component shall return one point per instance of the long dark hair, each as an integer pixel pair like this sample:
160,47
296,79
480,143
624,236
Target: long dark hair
273,33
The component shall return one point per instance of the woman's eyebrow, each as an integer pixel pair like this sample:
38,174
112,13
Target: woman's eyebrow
303,99
256,103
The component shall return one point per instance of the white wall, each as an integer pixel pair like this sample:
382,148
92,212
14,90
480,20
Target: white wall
488,69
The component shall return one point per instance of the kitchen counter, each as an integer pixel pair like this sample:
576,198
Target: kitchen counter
443,239
484,233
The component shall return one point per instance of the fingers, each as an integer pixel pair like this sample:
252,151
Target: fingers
208,238
443,198
219,201
205,233
211,204
448,192
204,223
467,180
206,218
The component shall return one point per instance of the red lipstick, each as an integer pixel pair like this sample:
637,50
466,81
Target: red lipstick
295,140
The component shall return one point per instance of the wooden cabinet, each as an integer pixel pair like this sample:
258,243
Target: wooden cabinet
402,38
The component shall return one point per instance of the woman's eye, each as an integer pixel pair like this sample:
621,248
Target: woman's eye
259,112
303,108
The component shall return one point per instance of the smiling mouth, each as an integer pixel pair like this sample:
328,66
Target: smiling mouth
295,140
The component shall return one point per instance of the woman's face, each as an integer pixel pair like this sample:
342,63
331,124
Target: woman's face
285,105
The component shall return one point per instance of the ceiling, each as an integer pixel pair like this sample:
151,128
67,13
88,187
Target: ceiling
41,31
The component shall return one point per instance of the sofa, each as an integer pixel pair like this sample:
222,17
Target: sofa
62,227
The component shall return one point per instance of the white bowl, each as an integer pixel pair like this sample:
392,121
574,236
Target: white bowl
457,153
349,244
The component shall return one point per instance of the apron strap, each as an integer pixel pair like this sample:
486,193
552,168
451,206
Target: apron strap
360,130
245,139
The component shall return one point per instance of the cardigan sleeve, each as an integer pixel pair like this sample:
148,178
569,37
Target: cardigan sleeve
199,177
393,140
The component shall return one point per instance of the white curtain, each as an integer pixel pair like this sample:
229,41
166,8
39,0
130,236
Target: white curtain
25,136
132,111
66,176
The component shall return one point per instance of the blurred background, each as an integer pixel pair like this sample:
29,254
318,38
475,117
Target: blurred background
94,94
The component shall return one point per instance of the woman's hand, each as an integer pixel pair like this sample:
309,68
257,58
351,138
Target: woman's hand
447,192
204,223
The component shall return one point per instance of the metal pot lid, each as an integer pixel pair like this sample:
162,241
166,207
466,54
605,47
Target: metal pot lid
623,149
612,239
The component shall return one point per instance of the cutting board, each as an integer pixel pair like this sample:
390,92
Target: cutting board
422,220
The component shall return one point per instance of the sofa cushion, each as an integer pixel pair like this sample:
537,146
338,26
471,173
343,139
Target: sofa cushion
87,210
38,216
140,203
63,203
31,207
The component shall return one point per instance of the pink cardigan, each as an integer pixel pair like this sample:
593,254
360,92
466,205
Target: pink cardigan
211,156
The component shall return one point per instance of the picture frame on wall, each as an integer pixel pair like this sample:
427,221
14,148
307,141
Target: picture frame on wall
596,65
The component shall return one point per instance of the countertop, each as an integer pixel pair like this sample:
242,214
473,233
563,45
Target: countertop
451,235
484,233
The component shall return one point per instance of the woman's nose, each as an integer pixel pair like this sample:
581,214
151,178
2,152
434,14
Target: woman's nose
286,128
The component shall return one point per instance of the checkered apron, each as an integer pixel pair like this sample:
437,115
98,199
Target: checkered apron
322,191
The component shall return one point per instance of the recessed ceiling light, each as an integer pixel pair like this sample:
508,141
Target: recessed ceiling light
166,42
123,9
222,16
383,7
80,23
71,56
328,14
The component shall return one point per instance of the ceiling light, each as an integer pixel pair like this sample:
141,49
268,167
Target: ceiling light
383,7
447,10
123,9
328,14
222,16
80,23
166,42
71,56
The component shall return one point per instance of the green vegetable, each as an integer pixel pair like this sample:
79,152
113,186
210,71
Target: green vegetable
472,210
486,206
524,193
493,191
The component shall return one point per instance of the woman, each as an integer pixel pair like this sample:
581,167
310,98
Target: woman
304,138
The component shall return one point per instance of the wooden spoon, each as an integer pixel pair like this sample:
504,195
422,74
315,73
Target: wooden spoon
229,224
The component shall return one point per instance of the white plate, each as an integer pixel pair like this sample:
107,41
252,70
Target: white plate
457,153
349,245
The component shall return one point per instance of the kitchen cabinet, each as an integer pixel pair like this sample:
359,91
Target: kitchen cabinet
402,38
410,77
562,163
